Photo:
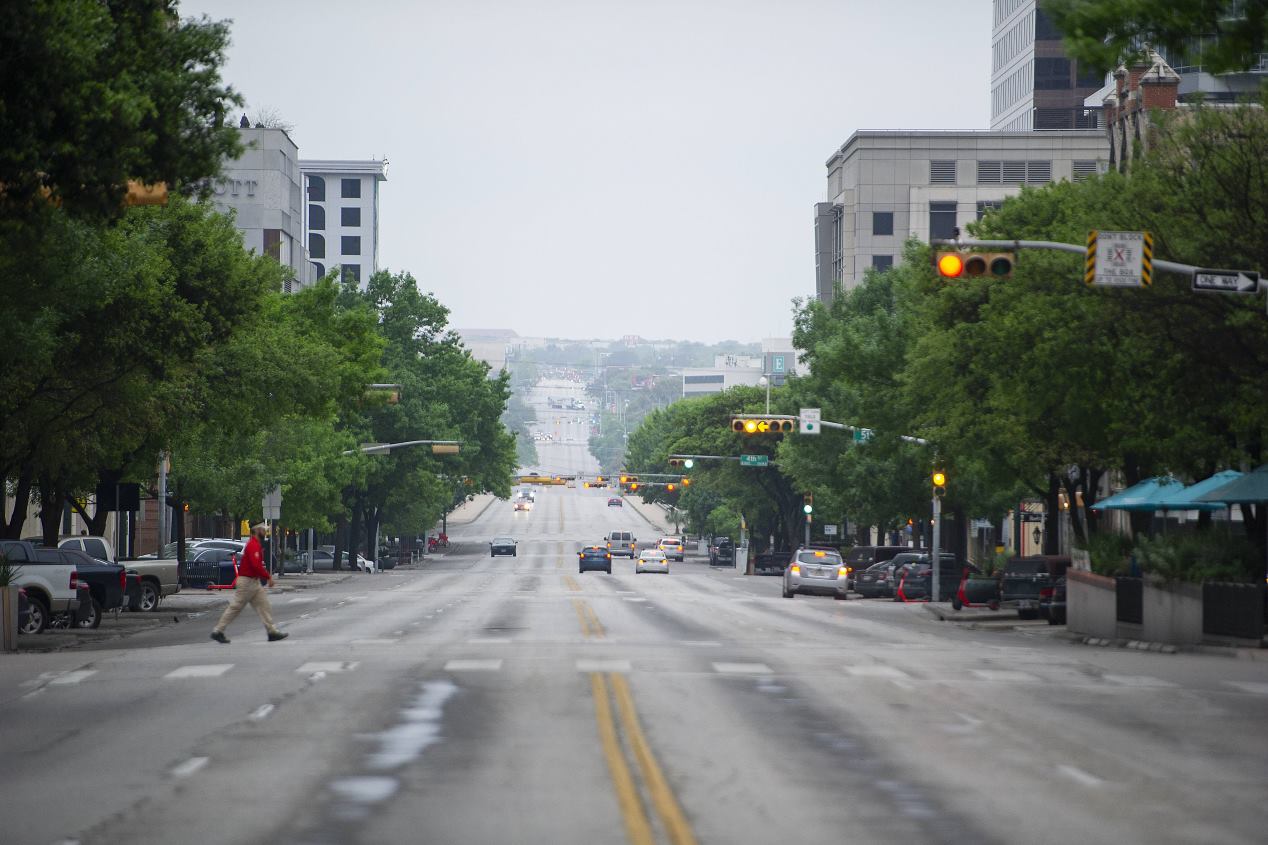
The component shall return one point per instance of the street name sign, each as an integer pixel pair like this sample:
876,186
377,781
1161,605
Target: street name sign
862,435
1226,281
754,460
1119,259
809,419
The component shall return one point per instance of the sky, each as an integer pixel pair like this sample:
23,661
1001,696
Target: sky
595,168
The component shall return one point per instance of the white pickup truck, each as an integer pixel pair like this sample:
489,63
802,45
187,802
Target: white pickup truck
51,588
159,578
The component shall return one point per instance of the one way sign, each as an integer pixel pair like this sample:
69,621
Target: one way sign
1226,281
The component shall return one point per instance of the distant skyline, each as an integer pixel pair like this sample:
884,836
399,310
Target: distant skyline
578,168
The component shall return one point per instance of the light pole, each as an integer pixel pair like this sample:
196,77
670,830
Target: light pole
765,382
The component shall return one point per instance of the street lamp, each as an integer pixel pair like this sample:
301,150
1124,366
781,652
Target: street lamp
765,382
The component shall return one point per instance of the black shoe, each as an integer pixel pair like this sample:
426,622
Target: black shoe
280,635
219,637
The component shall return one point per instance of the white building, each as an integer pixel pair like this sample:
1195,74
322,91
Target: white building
777,361
343,216
887,186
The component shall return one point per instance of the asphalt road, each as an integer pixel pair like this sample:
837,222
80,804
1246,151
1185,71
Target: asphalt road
504,700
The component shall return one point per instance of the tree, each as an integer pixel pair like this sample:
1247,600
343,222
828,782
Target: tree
1106,33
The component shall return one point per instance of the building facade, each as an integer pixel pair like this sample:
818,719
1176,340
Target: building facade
1034,84
342,216
887,186
262,189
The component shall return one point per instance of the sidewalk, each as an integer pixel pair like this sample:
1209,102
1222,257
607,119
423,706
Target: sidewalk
469,512
654,514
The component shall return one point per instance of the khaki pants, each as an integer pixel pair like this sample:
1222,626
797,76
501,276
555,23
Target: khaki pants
248,591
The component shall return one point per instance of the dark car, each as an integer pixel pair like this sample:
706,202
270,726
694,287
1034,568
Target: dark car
877,581
1052,602
1025,577
502,546
107,583
722,552
862,558
915,578
595,557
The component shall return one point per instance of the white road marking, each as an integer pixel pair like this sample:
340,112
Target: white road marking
329,666
209,670
702,643
189,767
492,665
302,600
1079,776
1004,675
888,672
261,713
635,598
489,641
1137,681
742,668
603,665
365,789
72,677
1249,686
375,642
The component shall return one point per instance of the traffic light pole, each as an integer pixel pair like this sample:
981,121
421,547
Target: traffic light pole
1081,249
935,557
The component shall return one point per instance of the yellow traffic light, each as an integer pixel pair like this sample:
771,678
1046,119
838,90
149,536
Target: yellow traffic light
686,482
954,264
761,425
625,479
671,487
675,462
950,265
940,478
634,486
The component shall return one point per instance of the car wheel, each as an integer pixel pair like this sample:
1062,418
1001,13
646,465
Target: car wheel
1028,614
608,570
150,597
956,604
992,605
1051,621
37,619
93,619
840,597
515,553
788,593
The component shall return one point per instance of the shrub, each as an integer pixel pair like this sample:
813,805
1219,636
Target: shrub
1206,556
1109,553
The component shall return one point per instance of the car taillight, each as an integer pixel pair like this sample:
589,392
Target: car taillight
1046,592
795,569
74,580
609,556
123,580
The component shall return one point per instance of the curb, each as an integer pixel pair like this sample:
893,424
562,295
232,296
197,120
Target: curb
487,505
1235,652
949,615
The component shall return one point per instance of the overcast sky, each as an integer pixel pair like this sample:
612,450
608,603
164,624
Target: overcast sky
595,168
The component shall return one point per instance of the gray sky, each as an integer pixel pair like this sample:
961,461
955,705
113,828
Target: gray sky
593,168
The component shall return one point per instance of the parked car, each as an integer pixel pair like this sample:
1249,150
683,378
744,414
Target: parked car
1052,602
652,560
916,577
107,583
818,572
861,558
503,546
205,566
97,547
878,580
615,502
24,610
595,557
621,543
321,561
672,547
722,552
52,586
1023,579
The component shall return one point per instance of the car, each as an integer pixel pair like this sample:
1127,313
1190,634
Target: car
1025,577
207,566
915,578
877,581
615,502
97,547
722,552
321,560
52,587
861,558
107,583
818,572
672,547
24,610
1052,602
622,543
502,546
652,560
595,557
523,505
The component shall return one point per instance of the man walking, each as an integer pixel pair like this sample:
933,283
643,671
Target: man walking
253,577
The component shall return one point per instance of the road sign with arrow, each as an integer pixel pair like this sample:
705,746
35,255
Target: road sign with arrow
1226,281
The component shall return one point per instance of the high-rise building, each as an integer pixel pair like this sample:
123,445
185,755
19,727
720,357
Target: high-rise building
1034,84
343,216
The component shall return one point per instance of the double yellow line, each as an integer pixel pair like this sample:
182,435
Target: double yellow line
591,627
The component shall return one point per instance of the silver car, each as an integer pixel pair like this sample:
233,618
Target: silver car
817,572
651,560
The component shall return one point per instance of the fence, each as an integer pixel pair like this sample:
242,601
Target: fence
1233,610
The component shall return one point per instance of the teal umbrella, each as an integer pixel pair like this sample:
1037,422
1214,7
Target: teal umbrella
1143,497
1251,488
1191,498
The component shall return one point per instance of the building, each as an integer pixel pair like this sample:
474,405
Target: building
262,189
777,361
343,216
887,186
1034,84
1128,102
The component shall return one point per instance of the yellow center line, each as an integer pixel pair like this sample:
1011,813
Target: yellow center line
637,828
579,606
658,788
596,626
572,583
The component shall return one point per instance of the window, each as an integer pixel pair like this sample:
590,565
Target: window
1084,169
96,548
882,222
350,189
350,272
1014,172
1038,172
316,217
941,219
273,244
350,216
319,270
942,172
882,262
316,189
988,172
1052,74
350,245
702,379
316,245
984,206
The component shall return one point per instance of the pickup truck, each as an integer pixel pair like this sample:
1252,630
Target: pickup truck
51,587
159,578
106,583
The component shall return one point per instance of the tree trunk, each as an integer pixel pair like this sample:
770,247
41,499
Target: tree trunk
21,499
341,526
1052,519
50,513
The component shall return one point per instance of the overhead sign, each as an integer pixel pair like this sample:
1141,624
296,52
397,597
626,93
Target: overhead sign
862,435
809,419
1119,259
1226,281
754,460
829,530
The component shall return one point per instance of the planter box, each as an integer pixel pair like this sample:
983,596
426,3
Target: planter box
1172,613
9,618
1233,611
1090,604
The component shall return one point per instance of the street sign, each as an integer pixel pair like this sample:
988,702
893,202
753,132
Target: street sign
1119,259
809,419
829,530
754,460
1226,281
862,435
272,504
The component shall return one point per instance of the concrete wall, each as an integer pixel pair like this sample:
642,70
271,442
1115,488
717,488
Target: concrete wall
1090,605
1172,614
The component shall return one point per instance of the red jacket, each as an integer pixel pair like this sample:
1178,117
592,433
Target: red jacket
251,561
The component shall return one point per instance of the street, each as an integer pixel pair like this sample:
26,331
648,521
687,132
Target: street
513,700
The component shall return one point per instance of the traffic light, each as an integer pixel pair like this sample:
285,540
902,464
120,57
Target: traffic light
954,264
686,482
689,463
761,425
675,462
939,483
808,503
671,487
625,479
633,486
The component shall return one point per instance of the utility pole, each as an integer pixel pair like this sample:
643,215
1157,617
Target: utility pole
939,479
163,506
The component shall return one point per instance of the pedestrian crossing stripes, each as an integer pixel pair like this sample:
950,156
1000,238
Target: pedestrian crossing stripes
71,678
208,670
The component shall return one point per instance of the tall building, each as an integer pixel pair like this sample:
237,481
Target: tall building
343,216
887,186
262,189
1034,84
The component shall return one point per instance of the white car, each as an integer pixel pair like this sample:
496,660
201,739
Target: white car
672,547
651,560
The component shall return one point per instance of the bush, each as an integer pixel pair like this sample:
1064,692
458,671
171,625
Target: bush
1207,556
1109,553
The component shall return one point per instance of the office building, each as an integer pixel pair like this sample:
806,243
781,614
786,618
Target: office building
1034,84
343,216
887,186
777,362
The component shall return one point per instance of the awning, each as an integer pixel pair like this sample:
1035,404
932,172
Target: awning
1248,489
1189,499
1143,497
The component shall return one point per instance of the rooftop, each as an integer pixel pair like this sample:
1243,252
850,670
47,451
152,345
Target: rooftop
364,167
